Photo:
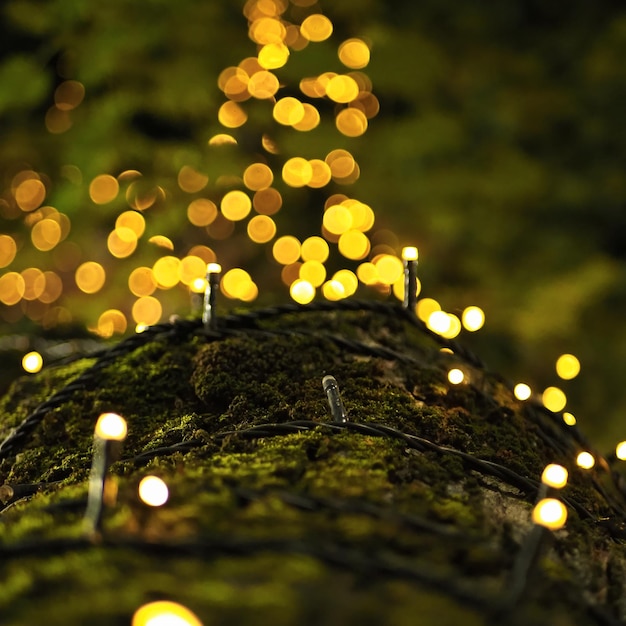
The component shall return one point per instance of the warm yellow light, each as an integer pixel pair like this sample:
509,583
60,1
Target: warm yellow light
398,288
164,613
273,55
425,307
288,111
263,85
342,89
267,201
302,291
90,277
166,271
354,245
257,176
351,122
410,253
110,322
555,476
348,280
567,366
439,322
133,220
333,290
316,27
315,249
261,229
286,250
8,250
554,399
620,450
45,235
190,180
142,282
354,53
222,139
367,273
191,268
162,242
103,189
32,362
569,419
111,426
337,219
34,283
297,172
236,205
455,327
473,318
550,513
147,310
313,272
122,242
310,119
456,376
585,460
153,491
198,285
389,268
236,283
321,173
231,115
213,268
12,288
522,391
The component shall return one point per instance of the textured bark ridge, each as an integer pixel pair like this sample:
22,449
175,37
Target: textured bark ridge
414,511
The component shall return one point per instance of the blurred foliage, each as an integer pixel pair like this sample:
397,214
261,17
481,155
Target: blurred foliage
498,151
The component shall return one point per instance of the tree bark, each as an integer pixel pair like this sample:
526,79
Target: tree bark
416,509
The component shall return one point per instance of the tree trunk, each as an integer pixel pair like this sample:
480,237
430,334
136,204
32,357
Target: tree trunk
416,509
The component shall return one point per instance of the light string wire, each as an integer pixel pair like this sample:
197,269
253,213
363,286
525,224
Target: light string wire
247,323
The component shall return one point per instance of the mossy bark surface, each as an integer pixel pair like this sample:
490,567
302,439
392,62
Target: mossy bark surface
313,523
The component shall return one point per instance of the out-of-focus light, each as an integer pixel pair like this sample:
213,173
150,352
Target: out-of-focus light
554,399
313,272
620,450
315,249
316,27
297,172
153,491
261,229
354,53
333,290
348,280
32,362
147,311
164,613
354,245
8,250
585,460
90,277
111,426
286,250
302,291
569,419
473,318
410,253
351,122
426,307
567,366
288,111
522,391
456,376
103,189
439,322
555,476
550,513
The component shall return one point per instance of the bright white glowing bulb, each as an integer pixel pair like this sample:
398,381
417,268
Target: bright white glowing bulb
153,491
585,460
111,426
439,322
32,362
554,476
550,513
410,253
522,391
213,268
198,285
302,291
456,376
473,318
569,419
620,450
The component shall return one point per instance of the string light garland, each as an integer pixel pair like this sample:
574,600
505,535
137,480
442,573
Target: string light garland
110,431
209,317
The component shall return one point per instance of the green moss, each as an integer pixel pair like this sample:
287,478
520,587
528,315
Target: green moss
376,497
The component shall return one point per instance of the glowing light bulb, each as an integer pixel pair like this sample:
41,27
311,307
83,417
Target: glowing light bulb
550,513
473,318
32,362
439,322
555,476
522,391
164,613
456,376
620,450
585,460
554,399
153,491
410,253
302,291
111,426
567,366
569,419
